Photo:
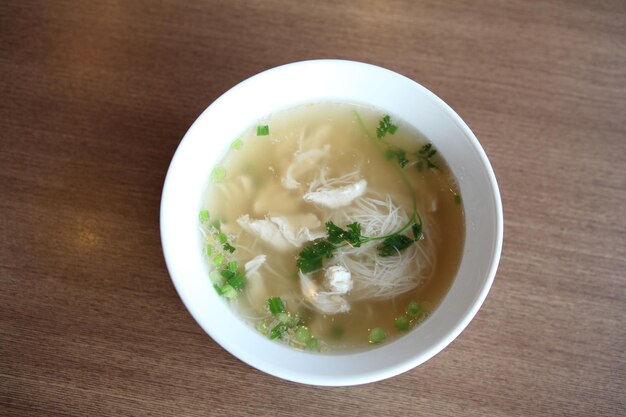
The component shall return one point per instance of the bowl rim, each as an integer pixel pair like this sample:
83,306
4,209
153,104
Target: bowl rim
355,377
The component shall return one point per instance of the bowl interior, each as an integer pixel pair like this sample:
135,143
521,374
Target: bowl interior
329,80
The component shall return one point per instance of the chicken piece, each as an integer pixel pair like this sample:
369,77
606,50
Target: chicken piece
329,303
337,197
338,279
283,233
302,163
254,264
326,302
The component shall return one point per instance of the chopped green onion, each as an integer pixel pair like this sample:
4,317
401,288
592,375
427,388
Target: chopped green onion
238,280
457,198
216,277
216,224
209,250
232,266
414,309
303,334
393,129
377,335
218,174
278,330
229,292
204,215
237,144
312,344
402,323
228,247
262,130
276,305
218,260
222,238
283,318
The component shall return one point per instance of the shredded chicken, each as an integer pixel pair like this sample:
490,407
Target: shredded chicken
338,282
283,232
254,264
303,162
338,279
337,197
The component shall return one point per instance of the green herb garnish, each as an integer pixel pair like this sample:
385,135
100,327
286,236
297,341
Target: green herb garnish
218,260
223,239
311,258
385,126
402,323
303,334
276,305
228,280
218,174
262,130
288,327
216,277
416,229
377,335
235,278
351,235
425,155
414,309
312,344
397,154
203,215
277,331
226,291
457,199
395,244
237,144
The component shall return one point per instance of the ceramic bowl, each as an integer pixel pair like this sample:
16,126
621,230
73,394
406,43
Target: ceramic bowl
339,81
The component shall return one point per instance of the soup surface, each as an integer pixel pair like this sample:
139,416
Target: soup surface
332,226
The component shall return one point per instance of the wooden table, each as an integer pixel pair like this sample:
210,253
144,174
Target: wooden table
97,95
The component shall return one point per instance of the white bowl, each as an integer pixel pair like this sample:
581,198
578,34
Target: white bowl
330,80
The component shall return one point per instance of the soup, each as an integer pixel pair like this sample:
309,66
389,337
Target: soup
332,226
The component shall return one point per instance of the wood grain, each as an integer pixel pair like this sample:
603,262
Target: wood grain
97,95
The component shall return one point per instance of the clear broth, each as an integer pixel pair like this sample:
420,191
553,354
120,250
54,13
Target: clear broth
251,185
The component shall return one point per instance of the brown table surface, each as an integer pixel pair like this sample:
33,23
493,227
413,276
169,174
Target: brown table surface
97,95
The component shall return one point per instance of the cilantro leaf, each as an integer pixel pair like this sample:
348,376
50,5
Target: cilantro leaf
394,245
355,234
335,233
338,235
425,154
385,126
311,257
